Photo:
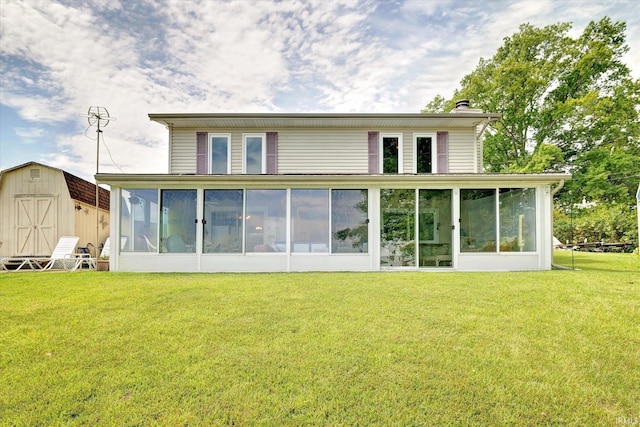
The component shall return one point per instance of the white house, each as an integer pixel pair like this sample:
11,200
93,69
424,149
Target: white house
329,192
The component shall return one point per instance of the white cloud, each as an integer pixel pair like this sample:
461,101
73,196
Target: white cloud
57,59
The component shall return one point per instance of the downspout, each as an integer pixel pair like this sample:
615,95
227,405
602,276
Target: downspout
170,132
553,193
480,149
558,188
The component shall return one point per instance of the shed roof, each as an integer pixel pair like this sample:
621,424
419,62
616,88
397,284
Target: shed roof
79,189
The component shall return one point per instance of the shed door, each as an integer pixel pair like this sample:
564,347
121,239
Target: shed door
35,225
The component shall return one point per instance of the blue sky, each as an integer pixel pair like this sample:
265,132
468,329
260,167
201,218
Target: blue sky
160,56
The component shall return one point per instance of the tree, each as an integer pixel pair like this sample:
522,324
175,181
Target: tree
560,99
567,105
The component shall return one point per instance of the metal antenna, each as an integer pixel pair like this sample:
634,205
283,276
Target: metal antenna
99,117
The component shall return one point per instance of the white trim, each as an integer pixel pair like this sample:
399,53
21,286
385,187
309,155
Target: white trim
210,150
264,151
434,151
381,151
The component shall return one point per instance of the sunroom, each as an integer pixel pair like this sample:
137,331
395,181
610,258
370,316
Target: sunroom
331,223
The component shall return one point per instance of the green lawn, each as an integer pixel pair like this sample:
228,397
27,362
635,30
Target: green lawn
533,348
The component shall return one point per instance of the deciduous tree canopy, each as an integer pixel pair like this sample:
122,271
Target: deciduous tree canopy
567,104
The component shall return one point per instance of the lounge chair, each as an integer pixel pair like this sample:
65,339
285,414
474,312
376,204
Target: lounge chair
62,258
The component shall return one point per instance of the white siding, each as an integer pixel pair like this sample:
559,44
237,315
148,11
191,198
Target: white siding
236,152
308,151
461,155
182,158
407,155
323,151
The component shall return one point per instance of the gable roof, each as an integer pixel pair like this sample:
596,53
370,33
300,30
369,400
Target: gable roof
84,191
79,189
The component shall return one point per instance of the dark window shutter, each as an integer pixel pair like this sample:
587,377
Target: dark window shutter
443,152
202,153
374,155
272,153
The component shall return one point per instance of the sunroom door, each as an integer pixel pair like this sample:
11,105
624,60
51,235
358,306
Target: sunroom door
435,228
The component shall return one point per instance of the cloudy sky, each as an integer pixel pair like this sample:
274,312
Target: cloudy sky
134,57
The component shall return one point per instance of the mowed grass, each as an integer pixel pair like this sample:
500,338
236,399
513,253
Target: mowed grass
410,348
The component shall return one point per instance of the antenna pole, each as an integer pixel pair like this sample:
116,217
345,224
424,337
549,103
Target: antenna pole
97,188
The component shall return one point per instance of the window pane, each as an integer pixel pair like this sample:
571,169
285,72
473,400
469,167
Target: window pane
266,221
390,150
349,221
219,155
478,220
517,219
223,213
253,154
423,154
397,231
309,220
434,228
139,220
178,214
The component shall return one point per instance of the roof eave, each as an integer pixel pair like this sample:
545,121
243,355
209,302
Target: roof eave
322,179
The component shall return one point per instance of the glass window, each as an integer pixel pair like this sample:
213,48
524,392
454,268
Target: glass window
397,230
139,220
178,215
349,221
310,221
223,216
220,154
254,154
478,220
266,221
517,219
391,152
424,153
434,228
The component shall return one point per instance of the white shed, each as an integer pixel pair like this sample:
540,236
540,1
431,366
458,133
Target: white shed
39,204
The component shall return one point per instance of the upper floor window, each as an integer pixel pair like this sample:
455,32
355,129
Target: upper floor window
220,149
255,153
425,158
391,149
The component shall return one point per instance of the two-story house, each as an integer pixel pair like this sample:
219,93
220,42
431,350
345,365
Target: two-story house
329,192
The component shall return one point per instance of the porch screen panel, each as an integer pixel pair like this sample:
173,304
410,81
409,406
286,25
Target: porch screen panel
266,221
478,220
349,221
177,219
139,220
223,216
397,227
310,220
517,219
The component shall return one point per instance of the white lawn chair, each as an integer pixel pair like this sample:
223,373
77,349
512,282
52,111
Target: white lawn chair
106,249
64,256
